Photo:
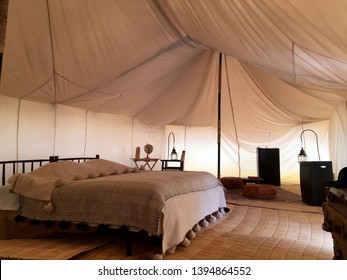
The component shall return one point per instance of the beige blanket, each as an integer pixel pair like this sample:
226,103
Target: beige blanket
132,199
40,183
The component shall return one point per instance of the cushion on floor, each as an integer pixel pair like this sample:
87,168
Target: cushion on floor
261,191
232,182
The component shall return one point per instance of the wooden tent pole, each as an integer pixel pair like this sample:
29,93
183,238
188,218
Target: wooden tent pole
219,114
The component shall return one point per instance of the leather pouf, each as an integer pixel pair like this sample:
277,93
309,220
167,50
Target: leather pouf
232,182
261,191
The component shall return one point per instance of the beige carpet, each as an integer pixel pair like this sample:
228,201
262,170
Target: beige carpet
281,229
253,233
53,248
287,198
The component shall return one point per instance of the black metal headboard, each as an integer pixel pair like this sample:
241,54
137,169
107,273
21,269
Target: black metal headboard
28,165
78,159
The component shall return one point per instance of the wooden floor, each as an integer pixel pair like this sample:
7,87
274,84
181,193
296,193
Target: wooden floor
253,230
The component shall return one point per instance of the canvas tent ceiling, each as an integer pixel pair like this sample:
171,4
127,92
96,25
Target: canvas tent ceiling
284,63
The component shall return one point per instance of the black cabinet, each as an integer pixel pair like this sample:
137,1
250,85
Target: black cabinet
268,160
313,176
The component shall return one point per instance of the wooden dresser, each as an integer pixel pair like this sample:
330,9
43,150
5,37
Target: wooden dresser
335,220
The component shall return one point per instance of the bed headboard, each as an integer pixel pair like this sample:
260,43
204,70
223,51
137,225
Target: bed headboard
78,159
9,167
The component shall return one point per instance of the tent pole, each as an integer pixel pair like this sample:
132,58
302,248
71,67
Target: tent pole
219,114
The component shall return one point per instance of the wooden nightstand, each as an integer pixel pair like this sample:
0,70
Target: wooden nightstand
150,162
172,164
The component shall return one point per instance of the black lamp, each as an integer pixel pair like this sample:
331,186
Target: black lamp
302,156
173,155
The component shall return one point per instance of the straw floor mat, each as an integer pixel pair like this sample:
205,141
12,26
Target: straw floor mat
288,198
253,233
281,229
52,248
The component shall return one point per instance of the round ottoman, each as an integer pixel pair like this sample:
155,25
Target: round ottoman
232,182
261,191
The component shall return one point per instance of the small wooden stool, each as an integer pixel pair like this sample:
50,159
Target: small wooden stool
232,182
261,191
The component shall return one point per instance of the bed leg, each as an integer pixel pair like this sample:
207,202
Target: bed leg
128,243
128,239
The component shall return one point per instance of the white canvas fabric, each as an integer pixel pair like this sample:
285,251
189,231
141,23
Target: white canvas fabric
145,64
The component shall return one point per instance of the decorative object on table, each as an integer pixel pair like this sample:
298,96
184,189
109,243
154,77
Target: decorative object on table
148,149
302,156
149,162
137,153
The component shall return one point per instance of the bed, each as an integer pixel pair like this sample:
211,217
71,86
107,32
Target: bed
9,201
172,205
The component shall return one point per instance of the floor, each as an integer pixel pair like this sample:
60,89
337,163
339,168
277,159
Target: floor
280,229
284,228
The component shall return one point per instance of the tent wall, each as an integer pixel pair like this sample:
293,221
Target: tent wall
38,130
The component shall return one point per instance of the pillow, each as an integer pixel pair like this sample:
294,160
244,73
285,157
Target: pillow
65,169
106,167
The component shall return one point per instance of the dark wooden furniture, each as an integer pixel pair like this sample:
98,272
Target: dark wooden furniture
173,164
335,220
268,160
313,177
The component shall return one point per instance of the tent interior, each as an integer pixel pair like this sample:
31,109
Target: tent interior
88,77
